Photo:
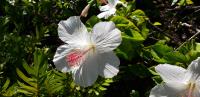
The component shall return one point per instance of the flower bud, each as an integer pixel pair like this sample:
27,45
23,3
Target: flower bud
84,12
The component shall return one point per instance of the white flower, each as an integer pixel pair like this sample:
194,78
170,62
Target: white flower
87,55
178,82
109,9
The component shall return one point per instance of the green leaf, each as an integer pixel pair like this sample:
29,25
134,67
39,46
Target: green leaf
165,54
108,80
30,81
129,49
156,57
157,24
193,51
24,92
191,45
197,47
174,2
182,3
157,79
189,2
57,89
11,91
153,72
122,20
5,86
131,6
39,78
130,29
102,88
96,92
92,21
145,31
185,2
28,68
161,50
139,16
137,36
138,12
106,84
40,65
175,57
27,88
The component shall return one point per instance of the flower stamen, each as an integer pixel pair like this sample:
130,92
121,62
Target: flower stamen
77,56
191,89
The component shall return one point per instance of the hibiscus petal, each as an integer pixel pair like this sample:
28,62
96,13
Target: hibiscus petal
196,93
112,11
106,36
105,8
72,30
109,63
194,69
113,2
59,58
104,15
87,73
171,73
165,90
107,14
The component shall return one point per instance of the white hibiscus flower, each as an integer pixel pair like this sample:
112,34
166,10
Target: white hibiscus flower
87,55
109,9
178,82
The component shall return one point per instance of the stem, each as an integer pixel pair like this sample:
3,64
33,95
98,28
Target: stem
91,2
198,32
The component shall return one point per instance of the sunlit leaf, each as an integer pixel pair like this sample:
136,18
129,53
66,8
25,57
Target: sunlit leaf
5,86
28,80
27,88
157,24
174,2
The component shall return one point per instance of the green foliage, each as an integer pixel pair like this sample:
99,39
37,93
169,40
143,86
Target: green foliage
37,71
162,53
134,32
37,80
29,38
5,86
7,89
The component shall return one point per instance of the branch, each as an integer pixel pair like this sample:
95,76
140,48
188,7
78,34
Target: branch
198,32
185,8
